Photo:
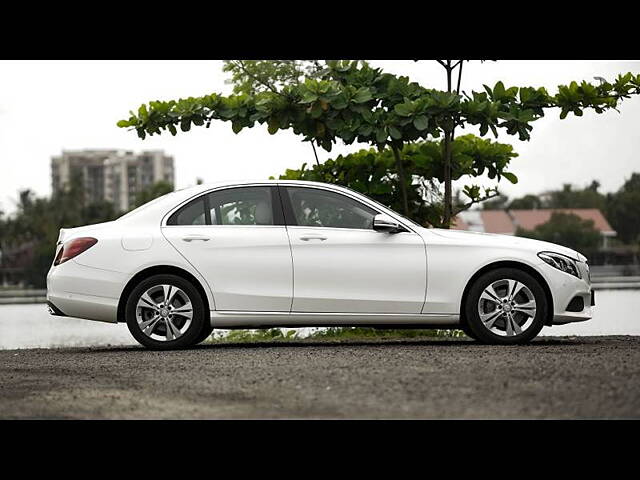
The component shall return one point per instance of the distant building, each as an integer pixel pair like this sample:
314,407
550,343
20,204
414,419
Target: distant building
507,221
115,176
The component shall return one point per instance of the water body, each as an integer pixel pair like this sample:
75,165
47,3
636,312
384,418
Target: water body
31,326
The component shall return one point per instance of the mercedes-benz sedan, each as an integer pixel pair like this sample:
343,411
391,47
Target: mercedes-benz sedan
300,254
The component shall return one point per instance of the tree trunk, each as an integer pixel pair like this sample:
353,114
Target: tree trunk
402,178
448,138
446,218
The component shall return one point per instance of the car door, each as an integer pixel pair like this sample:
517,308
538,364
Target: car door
341,264
237,240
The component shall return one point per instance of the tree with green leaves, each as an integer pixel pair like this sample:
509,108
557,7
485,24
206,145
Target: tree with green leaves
570,197
567,197
527,202
353,102
623,210
32,230
372,173
566,229
249,77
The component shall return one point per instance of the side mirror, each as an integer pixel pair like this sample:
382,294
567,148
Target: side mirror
384,223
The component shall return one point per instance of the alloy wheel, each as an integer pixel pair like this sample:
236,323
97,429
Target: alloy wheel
507,307
164,312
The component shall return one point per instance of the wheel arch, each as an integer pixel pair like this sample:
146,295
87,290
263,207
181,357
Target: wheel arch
157,270
510,264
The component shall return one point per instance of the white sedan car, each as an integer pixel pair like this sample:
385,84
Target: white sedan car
300,254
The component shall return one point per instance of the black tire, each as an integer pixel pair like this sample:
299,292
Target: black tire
206,331
189,337
464,326
484,334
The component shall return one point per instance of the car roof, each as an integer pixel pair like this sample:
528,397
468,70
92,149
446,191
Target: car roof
227,183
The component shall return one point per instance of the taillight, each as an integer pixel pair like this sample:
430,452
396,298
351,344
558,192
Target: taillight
73,248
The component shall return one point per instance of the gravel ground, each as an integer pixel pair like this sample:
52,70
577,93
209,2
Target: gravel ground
563,377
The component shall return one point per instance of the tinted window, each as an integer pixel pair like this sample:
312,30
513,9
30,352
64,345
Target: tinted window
321,208
242,206
191,214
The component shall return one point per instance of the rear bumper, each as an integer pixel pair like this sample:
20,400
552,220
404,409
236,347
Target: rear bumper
75,290
85,306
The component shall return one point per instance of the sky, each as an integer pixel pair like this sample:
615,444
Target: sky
53,105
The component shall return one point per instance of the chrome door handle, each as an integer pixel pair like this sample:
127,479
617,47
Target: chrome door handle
306,238
190,238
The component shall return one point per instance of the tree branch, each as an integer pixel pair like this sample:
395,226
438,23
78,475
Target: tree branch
468,205
315,153
459,77
402,178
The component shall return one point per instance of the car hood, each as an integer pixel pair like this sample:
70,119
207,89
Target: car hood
494,239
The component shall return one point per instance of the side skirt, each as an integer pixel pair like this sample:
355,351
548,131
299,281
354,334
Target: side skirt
237,319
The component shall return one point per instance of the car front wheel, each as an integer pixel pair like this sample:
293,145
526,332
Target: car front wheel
165,312
506,306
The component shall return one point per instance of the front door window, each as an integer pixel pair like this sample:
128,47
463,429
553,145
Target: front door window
322,208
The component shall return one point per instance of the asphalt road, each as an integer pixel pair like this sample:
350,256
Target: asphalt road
568,377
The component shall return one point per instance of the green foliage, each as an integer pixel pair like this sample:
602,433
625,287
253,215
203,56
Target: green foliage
568,197
242,336
365,332
623,210
374,173
37,221
352,101
527,202
565,229
331,333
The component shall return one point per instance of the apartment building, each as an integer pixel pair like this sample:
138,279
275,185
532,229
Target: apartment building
116,176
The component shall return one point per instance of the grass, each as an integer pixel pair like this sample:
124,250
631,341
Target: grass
331,333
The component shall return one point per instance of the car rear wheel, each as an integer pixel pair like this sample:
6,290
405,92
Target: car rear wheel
165,312
506,306
207,329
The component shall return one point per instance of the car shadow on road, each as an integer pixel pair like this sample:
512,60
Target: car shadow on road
384,343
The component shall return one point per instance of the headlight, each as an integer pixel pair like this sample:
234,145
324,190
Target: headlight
561,262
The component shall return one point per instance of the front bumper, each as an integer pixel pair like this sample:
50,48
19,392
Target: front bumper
53,310
565,288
